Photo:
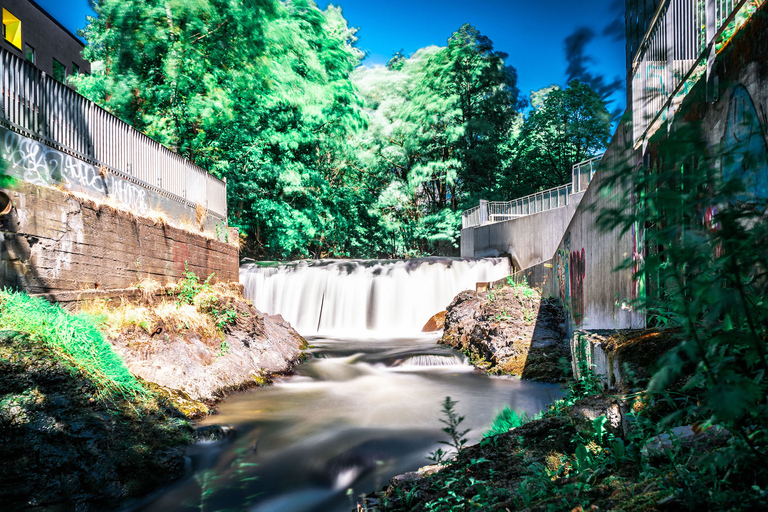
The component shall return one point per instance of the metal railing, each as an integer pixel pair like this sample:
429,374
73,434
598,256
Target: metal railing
37,106
677,49
496,211
582,172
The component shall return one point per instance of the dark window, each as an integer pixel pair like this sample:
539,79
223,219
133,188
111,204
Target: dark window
75,69
59,71
29,53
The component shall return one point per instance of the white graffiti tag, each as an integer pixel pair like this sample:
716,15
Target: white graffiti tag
39,164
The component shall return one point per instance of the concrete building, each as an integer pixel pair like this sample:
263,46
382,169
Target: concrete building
31,33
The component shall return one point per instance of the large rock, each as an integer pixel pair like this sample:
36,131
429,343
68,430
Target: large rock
584,413
435,323
204,368
509,331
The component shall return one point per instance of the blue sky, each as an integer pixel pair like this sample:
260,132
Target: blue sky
531,32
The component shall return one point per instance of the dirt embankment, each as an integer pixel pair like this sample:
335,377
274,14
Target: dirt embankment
68,441
511,331
199,352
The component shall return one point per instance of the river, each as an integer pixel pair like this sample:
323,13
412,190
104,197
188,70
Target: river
365,407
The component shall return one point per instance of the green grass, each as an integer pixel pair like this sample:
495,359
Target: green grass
75,337
505,420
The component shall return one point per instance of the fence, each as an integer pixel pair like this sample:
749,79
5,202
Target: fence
39,107
678,47
496,211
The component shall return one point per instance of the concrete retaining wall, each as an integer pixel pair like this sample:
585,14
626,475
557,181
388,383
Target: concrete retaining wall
593,293
54,242
528,240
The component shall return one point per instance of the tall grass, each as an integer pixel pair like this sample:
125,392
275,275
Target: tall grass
76,337
505,420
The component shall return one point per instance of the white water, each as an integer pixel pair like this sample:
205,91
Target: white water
356,413
387,297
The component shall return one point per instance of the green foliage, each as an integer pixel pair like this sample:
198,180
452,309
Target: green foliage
505,420
436,120
566,126
76,337
452,422
190,286
704,272
521,287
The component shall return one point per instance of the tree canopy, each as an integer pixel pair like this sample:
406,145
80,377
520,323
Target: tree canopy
324,157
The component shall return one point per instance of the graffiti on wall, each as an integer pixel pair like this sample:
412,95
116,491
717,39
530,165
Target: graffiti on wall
569,275
745,154
562,263
39,164
577,285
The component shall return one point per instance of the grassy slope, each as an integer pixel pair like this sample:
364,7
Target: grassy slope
77,430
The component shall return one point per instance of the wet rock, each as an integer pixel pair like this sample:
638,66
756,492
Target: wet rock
435,323
212,433
412,476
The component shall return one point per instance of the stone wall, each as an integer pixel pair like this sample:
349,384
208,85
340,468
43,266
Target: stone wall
53,241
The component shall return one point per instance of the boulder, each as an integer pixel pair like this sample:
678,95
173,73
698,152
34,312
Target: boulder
584,413
510,331
689,436
435,323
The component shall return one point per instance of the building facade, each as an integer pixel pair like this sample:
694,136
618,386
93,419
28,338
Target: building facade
32,34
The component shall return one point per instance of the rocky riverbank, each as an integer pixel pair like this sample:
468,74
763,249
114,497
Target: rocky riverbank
510,331
78,431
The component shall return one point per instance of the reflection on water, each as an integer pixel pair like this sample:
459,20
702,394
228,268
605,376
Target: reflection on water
357,414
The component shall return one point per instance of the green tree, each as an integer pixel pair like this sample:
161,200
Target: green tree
257,91
566,126
437,122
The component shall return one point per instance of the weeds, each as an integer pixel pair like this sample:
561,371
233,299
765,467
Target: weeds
452,422
76,337
505,420
521,287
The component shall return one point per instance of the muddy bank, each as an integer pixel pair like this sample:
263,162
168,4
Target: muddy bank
68,443
510,331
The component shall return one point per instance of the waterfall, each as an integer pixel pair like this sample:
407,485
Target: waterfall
364,297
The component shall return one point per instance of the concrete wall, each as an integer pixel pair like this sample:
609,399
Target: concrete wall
52,241
37,163
528,240
593,293
722,120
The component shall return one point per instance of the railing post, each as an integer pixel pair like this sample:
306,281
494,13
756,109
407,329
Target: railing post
669,21
483,213
711,29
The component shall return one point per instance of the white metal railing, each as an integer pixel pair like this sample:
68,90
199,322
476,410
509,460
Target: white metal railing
582,172
678,47
496,211
35,105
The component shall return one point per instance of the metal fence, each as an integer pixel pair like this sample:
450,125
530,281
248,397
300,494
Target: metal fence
678,46
37,106
497,211
582,172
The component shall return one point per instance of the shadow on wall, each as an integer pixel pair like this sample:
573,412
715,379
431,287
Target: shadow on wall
548,356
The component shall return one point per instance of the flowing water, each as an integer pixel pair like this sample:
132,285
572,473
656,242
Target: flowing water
367,405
